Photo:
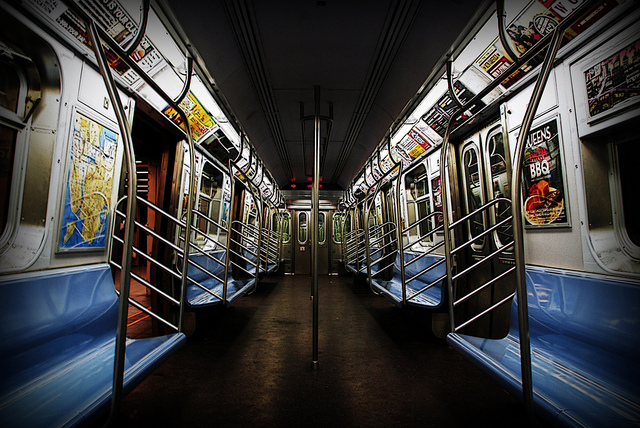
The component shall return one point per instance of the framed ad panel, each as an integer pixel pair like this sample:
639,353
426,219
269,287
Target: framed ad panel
544,190
88,184
606,81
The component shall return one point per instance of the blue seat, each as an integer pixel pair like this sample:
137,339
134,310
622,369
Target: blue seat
585,346
351,268
432,297
199,298
57,347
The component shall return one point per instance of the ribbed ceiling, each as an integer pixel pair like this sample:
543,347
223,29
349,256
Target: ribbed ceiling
369,59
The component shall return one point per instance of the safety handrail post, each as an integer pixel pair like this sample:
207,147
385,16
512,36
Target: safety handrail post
399,231
518,229
367,232
552,43
232,178
125,279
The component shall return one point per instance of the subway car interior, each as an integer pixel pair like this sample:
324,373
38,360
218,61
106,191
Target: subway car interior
319,213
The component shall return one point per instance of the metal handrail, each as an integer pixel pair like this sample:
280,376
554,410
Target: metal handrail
417,222
177,274
480,288
244,247
95,35
551,41
424,253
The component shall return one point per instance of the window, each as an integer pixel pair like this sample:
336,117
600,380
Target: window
419,205
627,205
410,197
302,227
423,203
473,192
322,236
286,227
7,154
610,185
337,227
500,185
209,197
275,223
12,92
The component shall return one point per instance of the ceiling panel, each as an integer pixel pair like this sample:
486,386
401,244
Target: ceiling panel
369,59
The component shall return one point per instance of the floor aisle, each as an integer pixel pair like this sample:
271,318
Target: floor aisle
250,366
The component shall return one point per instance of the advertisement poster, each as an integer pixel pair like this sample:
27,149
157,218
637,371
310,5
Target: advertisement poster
613,80
413,145
114,19
199,119
89,185
530,26
438,116
544,201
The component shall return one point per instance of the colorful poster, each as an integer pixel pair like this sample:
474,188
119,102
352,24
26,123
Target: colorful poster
199,119
437,118
114,19
613,80
413,145
89,185
543,178
530,26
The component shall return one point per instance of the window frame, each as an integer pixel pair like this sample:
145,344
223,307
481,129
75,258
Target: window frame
12,120
286,217
629,247
306,227
322,232
494,132
469,146
339,217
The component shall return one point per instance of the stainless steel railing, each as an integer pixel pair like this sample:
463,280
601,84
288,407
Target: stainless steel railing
424,252
205,253
119,214
245,238
479,261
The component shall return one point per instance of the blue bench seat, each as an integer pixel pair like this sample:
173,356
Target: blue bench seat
432,297
57,347
199,298
585,346
351,268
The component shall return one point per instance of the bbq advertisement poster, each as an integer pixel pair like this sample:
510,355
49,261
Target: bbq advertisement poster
544,199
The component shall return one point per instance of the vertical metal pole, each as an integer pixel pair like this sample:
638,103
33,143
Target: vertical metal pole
315,215
227,257
446,210
518,230
125,279
399,229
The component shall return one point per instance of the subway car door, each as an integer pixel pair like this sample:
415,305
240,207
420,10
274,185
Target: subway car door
287,243
302,243
484,173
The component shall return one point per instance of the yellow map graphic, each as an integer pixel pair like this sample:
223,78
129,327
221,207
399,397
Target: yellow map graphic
89,185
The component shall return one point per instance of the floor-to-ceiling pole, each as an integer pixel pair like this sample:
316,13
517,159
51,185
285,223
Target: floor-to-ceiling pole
315,200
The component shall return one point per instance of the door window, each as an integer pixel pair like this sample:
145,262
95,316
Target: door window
322,236
302,227
286,227
337,228
499,185
473,192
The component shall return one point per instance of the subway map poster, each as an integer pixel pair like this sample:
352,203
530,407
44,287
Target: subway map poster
88,185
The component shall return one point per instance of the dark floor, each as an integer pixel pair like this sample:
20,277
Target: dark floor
250,365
